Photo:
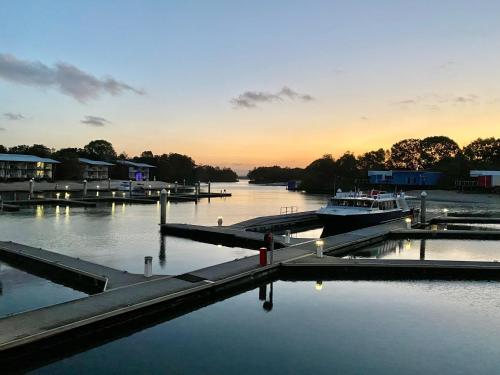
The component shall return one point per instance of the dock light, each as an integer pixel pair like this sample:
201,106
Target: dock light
408,223
319,248
168,192
123,195
445,212
58,195
219,221
66,187
113,194
97,187
319,285
66,196
158,192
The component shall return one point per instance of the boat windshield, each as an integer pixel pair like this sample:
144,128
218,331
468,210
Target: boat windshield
351,203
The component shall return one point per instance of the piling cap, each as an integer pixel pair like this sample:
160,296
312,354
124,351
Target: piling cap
423,194
163,191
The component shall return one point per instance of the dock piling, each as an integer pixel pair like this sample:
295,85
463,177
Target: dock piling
319,248
423,197
109,184
85,188
32,188
130,188
163,207
288,234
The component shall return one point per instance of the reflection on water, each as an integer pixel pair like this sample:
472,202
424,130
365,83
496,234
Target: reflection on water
21,291
349,327
464,250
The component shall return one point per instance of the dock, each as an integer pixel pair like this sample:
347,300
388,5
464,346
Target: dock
74,272
51,202
127,297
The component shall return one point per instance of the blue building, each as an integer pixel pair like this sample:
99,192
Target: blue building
404,178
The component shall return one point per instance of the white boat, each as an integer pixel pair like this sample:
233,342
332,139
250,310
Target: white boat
353,210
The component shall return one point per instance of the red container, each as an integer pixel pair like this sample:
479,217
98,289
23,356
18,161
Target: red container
263,256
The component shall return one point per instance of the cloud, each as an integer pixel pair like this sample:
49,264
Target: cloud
467,99
435,102
13,116
363,118
95,121
250,99
67,78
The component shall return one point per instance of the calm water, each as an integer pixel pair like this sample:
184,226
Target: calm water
345,328
487,251
21,291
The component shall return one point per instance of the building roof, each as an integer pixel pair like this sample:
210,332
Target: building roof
477,173
26,159
134,164
94,162
389,173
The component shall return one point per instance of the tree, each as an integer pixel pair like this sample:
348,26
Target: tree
19,149
265,175
3,149
406,154
69,168
320,175
484,152
372,160
437,148
100,150
175,167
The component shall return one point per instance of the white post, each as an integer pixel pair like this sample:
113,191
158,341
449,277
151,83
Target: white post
408,223
319,248
423,197
84,188
32,187
148,266
175,187
288,234
219,221
163,207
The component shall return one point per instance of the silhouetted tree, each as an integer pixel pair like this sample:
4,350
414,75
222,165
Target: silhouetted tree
372,160
69,168
437,148
406,154
484,152
3,149
320,175
100,150
265,175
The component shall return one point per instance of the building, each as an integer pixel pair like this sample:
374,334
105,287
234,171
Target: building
130,170
94,169
486,179
25,167
404,178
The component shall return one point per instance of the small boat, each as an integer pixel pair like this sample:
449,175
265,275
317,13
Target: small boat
353,210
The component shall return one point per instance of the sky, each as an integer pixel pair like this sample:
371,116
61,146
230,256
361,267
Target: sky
248,83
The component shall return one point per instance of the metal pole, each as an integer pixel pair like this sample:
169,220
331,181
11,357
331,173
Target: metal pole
423,197
163,207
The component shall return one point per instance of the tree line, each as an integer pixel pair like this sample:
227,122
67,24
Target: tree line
170,167
436,153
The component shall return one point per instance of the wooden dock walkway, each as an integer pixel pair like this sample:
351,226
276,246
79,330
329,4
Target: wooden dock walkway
74,271
465,220
51,202
279,222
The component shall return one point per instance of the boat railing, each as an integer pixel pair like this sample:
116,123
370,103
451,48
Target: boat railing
285,210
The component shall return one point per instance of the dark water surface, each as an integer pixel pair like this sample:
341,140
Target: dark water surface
347,327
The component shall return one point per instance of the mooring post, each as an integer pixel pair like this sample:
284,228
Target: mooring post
288,234
85,188
163,207
148,266
109,184
175,187
422,249
130,188
219,221
319,248
423,197
32,188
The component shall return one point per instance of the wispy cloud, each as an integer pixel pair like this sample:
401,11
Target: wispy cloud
68,79
250,99
95,121
434,102
13,116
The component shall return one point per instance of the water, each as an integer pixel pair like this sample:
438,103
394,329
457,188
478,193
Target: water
347,327
466,250
21,291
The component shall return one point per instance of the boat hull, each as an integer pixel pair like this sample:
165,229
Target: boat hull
335,224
